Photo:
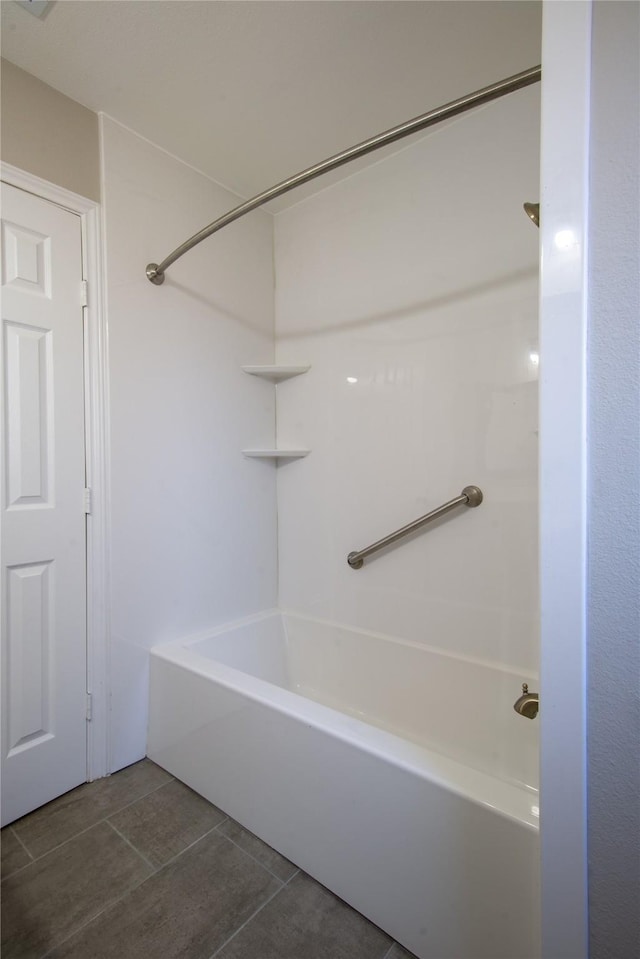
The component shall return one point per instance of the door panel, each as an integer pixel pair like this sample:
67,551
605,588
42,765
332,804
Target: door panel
43,519
28,376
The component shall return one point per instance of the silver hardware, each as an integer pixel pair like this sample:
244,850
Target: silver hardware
84,293
154,275
470,496
87,500
528,704
89,707
155,272
533,212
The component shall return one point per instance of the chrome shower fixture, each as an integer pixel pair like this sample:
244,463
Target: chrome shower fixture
533,212
528,704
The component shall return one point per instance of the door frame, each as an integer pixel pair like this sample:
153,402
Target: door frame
96,402
564,308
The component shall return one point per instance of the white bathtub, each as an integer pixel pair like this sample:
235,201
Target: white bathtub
410,795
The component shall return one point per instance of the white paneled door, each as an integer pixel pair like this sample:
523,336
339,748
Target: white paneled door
43,519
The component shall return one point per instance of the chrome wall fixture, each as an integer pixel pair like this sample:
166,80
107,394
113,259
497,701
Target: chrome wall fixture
528,704
470,496
155,271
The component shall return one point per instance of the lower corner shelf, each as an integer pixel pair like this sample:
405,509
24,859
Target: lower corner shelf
282,454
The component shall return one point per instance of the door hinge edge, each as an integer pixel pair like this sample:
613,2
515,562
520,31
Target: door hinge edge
87,500
89,707
84,293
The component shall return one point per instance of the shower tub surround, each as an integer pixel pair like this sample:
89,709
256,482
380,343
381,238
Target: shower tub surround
412,796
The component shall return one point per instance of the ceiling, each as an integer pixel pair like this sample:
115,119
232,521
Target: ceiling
251,92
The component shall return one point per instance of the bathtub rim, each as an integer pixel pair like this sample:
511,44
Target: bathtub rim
528,675
508,800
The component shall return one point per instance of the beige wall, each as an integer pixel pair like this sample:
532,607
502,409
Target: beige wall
49,135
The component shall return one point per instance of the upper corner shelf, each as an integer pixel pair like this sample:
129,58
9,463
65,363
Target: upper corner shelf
276,373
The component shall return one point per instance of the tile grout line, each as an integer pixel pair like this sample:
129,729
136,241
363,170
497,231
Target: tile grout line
133,888
170,862
87,828
258,910
134,801
255,859
401,947
87,922
146,861
154,870
15,872
30,855
247,921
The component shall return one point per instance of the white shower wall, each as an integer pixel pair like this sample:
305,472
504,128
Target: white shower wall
417,278
193,522
411,289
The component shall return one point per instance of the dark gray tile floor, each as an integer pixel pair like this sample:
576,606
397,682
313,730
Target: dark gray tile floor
137,866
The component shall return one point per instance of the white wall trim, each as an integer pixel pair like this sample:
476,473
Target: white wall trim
97,456
566,68
47,190
98,527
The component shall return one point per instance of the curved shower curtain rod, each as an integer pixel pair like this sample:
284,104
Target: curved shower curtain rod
155,271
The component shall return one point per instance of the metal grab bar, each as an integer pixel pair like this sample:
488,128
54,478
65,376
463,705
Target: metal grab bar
470,496
155,271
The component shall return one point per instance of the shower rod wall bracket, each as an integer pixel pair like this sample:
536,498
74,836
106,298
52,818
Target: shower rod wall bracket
155,271
470,496
154,275
473,494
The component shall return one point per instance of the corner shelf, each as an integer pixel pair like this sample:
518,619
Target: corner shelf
275,373
276,454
